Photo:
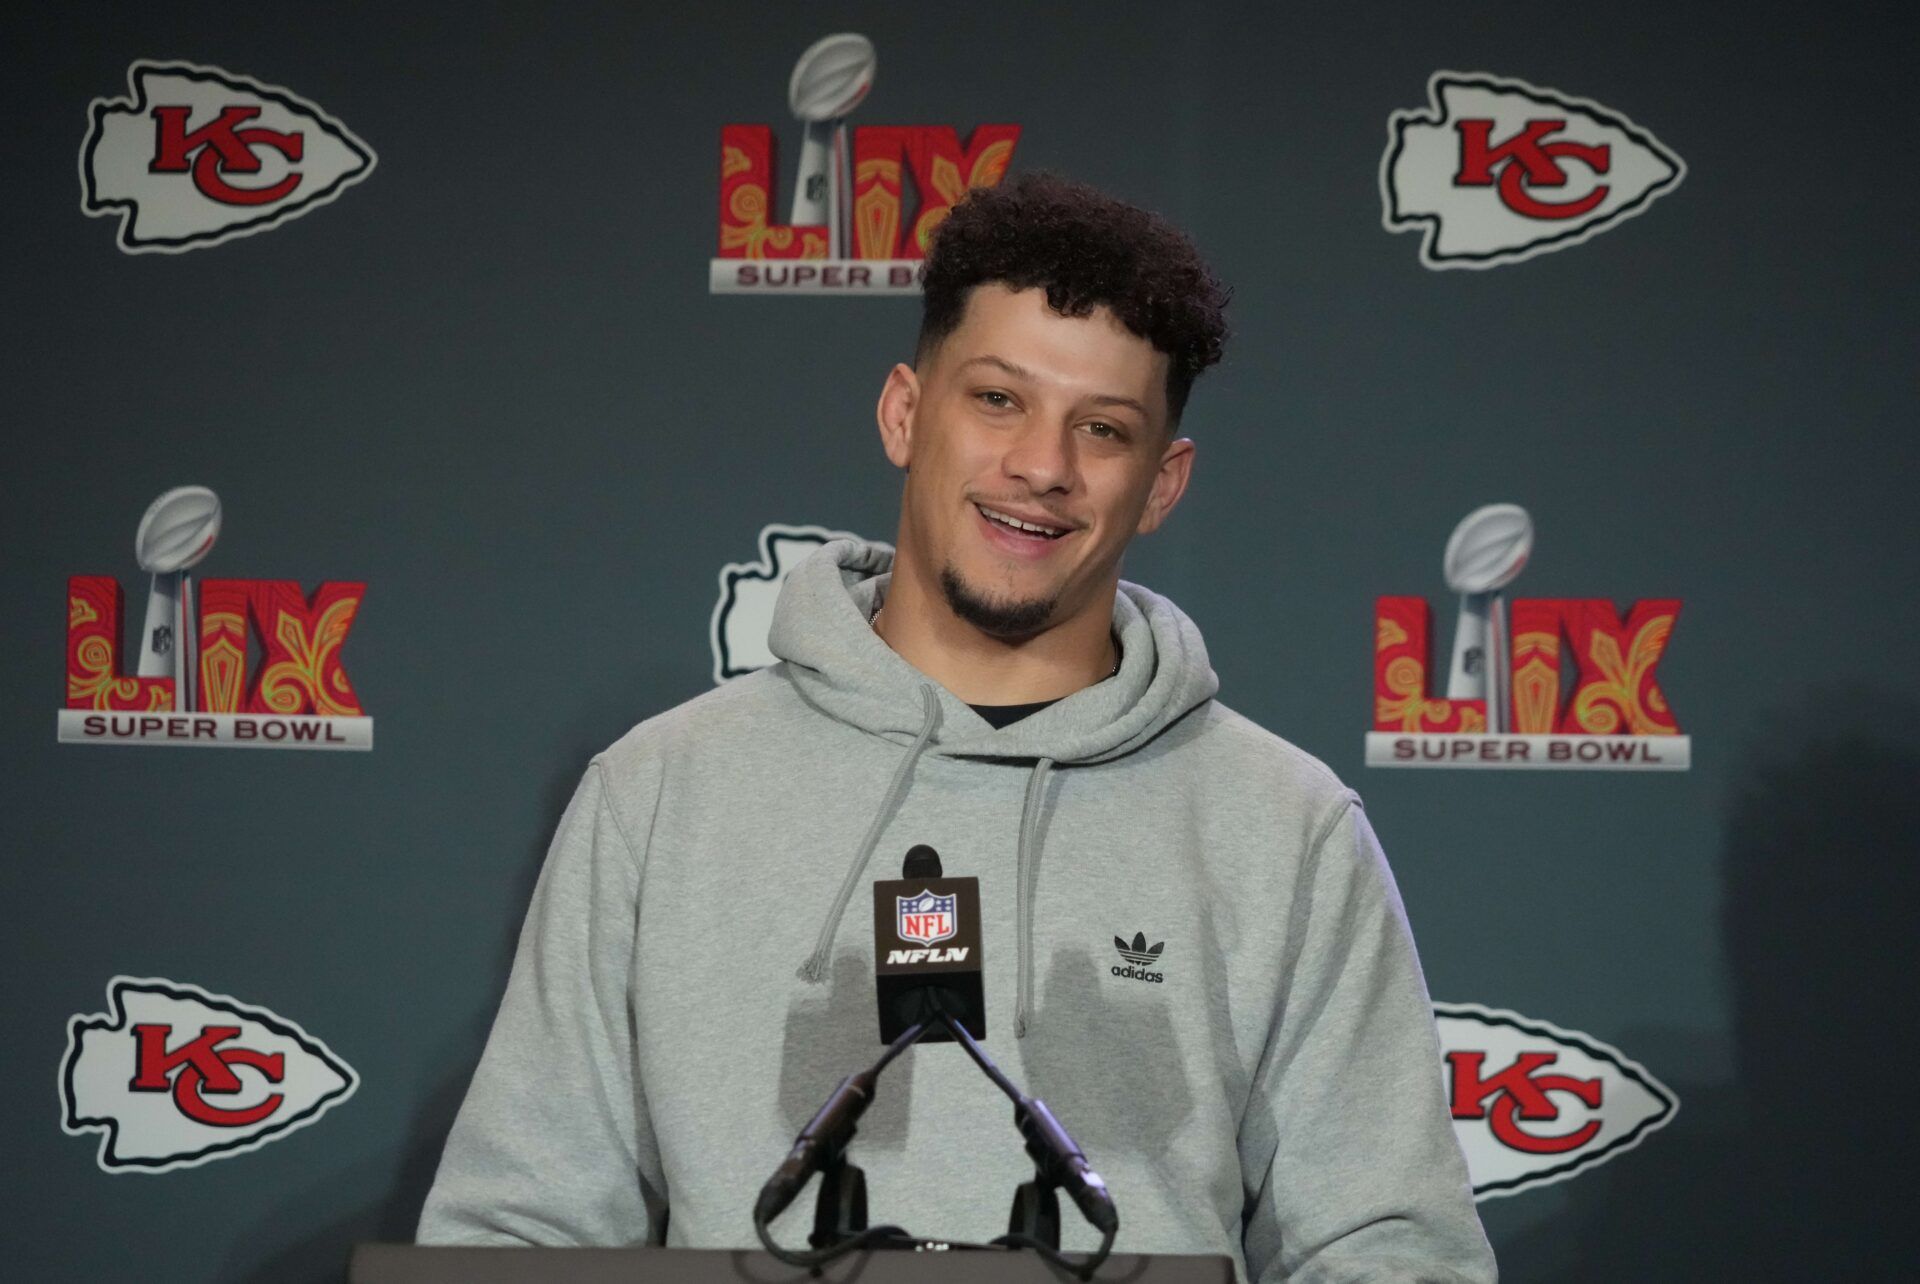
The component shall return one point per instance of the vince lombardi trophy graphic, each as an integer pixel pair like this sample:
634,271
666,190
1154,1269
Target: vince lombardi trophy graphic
1485,554
177,531
829,81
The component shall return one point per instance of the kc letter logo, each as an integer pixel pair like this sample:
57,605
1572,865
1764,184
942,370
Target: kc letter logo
197,156
748,591
174,1076
1534,1104
1498,171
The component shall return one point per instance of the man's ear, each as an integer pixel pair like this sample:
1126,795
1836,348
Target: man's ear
1169,484
899,399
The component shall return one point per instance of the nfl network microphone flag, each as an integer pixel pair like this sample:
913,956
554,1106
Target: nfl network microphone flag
926,938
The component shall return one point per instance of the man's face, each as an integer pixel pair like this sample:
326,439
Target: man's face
1022,416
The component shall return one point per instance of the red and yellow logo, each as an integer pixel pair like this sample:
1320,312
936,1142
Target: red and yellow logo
253,663
1540,682
850,229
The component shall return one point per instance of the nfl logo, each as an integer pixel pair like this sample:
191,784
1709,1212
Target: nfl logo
926,918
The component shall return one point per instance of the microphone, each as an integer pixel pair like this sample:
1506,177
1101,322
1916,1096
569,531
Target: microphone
926,941
828,1134
927,978
921,862
1061,1161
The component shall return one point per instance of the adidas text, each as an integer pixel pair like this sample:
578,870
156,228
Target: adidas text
1136,974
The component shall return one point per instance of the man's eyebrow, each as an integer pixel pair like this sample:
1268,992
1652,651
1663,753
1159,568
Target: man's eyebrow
1126,402
1000,363
1021,372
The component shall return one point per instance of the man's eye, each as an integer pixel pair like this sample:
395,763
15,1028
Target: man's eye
998,400
1105,430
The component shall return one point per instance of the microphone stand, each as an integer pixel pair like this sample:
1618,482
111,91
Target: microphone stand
840,1206
1035,1219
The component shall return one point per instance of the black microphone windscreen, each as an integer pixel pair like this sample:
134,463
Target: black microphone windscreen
922,862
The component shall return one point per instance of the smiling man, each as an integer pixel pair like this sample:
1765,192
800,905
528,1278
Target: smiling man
1035,429
1188,921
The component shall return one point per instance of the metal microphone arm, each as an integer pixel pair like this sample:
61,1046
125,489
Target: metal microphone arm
821,1146
1056,1156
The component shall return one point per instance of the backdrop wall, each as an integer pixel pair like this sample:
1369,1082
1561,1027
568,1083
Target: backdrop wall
476,367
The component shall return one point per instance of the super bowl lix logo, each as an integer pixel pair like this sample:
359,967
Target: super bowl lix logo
196,156
1534,1104
191,684
849,230
172,1076
1497,171
1551,683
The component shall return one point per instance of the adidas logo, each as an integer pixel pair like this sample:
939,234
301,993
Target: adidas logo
1139,956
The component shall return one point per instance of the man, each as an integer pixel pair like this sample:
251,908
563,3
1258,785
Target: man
1266,1085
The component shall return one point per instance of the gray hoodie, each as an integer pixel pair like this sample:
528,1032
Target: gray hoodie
690,985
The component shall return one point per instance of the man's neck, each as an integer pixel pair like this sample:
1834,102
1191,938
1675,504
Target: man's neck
922,629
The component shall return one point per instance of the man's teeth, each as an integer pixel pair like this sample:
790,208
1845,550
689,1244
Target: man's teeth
1049,531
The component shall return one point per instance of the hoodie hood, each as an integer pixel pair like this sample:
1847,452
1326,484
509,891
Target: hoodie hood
821,628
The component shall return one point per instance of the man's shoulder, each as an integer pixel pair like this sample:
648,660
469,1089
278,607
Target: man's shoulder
735,710
1244,748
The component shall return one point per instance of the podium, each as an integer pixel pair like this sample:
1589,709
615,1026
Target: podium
411,1264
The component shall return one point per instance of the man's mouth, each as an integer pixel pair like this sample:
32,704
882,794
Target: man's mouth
1021,526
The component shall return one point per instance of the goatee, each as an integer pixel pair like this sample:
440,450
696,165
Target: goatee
1000,619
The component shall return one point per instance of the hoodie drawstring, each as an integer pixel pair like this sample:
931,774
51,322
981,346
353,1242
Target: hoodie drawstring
814,970
1026,869
1027,873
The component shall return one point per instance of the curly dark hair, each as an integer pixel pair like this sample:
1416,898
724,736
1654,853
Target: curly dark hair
1086,249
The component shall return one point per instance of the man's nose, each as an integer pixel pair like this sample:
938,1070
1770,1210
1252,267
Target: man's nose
1042,456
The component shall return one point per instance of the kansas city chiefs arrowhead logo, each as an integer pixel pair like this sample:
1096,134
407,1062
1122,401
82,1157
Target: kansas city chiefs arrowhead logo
748,590
197,156
1498,171
1534,1104
174,1076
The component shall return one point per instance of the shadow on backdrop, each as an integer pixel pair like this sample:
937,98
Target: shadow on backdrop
1804,1167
